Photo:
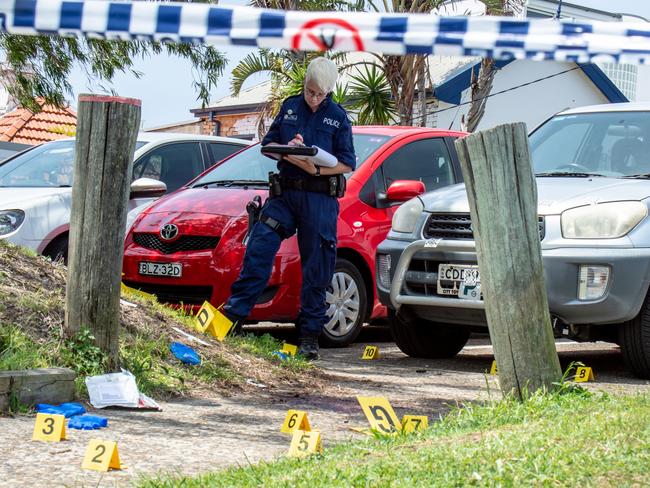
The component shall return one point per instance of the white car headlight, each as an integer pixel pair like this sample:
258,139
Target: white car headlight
602,220
407,216
10,220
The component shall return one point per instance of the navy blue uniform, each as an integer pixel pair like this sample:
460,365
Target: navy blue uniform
312,215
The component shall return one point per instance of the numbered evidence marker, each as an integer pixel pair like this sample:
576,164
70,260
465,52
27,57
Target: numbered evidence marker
214,322
49,427
295,420
493,369
414,423
584,373
380,414
289,349
101,456
303,443
370,352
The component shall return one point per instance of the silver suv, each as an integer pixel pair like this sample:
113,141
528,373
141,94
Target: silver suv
593,178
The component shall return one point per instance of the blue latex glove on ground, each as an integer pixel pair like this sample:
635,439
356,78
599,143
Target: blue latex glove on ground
66,409
87,422
185,353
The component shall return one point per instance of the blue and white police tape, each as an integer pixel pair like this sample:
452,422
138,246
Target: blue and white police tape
497,37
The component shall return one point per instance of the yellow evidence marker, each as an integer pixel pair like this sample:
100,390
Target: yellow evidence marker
493,369
101,456
205,317
370,352
414,423
295,420
303,443
127,290
49,427
210,320
289,349
380,414
583,374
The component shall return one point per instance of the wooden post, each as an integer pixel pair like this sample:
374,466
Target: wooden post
107,128
502,196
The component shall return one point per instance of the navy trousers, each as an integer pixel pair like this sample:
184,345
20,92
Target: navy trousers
314,217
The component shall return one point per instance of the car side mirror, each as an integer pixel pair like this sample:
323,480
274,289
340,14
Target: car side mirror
403,190
147,188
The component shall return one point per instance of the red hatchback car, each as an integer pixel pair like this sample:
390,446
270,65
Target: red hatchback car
187,247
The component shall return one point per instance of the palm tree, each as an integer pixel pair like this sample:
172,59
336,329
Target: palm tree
400,75
369,97
405,73
482,83
287,69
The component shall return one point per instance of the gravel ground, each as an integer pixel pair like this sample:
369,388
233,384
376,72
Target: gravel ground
191,436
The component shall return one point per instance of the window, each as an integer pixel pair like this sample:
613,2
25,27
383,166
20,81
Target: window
221,150
252,165
249,165
46,165
561,144
173,164
426,160
607,143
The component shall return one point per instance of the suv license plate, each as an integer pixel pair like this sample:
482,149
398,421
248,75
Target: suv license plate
459,279
171,270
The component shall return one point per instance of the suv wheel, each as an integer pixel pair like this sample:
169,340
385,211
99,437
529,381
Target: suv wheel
634,339
421,338
347,305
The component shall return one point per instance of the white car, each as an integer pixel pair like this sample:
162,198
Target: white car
36,185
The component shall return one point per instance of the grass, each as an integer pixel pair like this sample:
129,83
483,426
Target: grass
148,357
265,346
145,354
570,439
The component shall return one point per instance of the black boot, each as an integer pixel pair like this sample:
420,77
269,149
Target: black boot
237,322
309,348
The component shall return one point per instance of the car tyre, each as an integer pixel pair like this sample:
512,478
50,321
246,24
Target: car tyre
421,338
347,305
57,250
634,339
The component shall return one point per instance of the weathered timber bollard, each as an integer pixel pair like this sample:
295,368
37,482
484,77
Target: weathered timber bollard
503,201
107,128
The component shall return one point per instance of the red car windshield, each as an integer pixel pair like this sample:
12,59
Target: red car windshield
252,166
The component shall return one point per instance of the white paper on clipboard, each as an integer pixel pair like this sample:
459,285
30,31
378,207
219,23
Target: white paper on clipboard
323,158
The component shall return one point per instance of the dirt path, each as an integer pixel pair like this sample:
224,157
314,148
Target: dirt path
191,436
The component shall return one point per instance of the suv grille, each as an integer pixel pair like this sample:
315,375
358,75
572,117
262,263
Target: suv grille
183,243
188,295
459,226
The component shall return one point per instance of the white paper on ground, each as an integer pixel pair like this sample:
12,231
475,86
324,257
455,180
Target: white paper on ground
117,390
112,389
323,158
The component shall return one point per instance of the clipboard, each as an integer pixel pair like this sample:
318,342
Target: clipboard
282,149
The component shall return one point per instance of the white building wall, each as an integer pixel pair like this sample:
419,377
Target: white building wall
531,104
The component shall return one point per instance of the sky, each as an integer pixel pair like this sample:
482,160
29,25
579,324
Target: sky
166,86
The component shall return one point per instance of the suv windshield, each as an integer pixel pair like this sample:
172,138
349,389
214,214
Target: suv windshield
47,165
606,143
252,166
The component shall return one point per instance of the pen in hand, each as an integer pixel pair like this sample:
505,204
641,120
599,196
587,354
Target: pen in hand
297,141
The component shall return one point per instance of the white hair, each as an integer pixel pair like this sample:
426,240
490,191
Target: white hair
323,72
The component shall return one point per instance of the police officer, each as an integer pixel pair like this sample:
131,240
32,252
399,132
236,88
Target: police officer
305,203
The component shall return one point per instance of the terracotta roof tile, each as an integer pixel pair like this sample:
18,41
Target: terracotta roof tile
50,124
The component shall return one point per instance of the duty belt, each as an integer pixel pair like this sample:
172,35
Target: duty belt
318,185
334,185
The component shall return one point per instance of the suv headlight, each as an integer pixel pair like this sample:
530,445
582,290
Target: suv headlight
602,220
407,216
10,220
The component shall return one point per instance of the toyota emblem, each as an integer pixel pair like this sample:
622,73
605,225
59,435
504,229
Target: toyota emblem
168,232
